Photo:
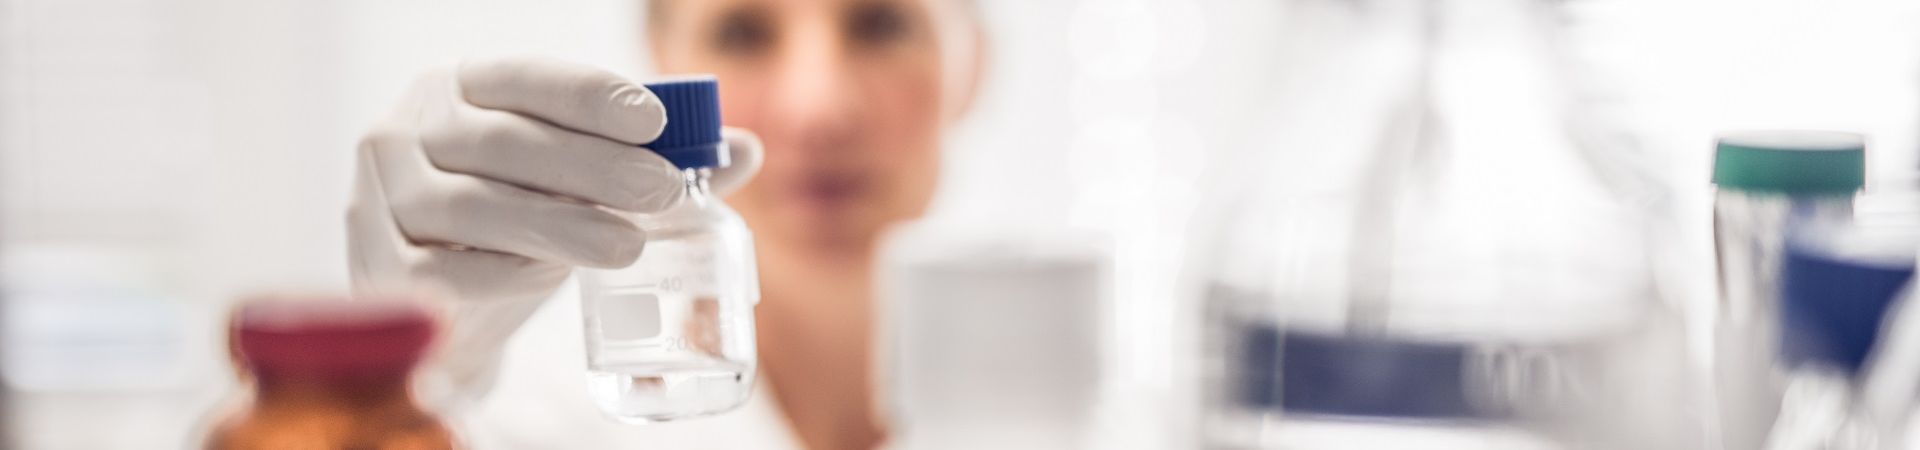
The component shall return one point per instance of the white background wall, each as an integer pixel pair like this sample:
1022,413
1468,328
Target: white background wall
205,145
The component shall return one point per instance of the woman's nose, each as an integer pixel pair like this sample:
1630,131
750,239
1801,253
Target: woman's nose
815,97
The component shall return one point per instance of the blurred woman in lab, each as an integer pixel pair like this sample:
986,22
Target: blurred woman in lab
460,188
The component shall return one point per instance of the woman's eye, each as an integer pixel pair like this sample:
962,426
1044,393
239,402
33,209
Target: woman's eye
743,32
875,23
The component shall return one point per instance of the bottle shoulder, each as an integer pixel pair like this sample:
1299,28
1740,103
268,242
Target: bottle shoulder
694,215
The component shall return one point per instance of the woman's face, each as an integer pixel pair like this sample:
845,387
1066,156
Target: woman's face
846,95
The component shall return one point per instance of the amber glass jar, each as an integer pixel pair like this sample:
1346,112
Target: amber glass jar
330,374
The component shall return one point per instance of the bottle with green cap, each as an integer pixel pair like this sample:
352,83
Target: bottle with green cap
1765,182
672,336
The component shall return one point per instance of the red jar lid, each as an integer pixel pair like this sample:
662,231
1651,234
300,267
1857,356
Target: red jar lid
331,336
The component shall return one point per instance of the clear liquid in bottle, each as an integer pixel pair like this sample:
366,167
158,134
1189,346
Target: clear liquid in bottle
672,336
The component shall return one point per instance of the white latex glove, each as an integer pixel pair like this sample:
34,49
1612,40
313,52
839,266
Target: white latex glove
493,178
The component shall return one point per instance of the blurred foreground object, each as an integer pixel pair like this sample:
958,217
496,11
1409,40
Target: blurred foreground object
996,338
89,317
1765,181
1470,258
331,373
98,335
1849,374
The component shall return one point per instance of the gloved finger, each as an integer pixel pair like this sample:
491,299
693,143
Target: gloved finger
489,215
384,260
745,155
483,275
512,148
574,96
377,252
431,206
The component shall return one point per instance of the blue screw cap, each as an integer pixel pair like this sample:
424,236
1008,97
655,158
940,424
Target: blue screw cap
692,136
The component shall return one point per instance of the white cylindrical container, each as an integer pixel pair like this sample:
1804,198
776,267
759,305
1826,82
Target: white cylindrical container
995,339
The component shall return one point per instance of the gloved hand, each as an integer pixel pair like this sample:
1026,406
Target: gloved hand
493,178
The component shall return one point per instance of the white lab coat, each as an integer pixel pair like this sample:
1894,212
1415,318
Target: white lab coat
540,401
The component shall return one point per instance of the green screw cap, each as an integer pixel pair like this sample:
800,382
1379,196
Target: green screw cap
1790,162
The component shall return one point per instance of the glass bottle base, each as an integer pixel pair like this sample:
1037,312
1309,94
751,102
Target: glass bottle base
650,392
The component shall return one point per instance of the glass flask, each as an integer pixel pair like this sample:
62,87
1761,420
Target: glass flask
330,373
672,336
1444,247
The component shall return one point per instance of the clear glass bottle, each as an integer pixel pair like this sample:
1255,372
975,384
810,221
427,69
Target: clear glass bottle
672,336
1460,255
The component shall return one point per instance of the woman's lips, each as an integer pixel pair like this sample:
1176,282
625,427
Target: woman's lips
830,192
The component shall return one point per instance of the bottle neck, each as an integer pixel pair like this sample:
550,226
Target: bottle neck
698,181
332,392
